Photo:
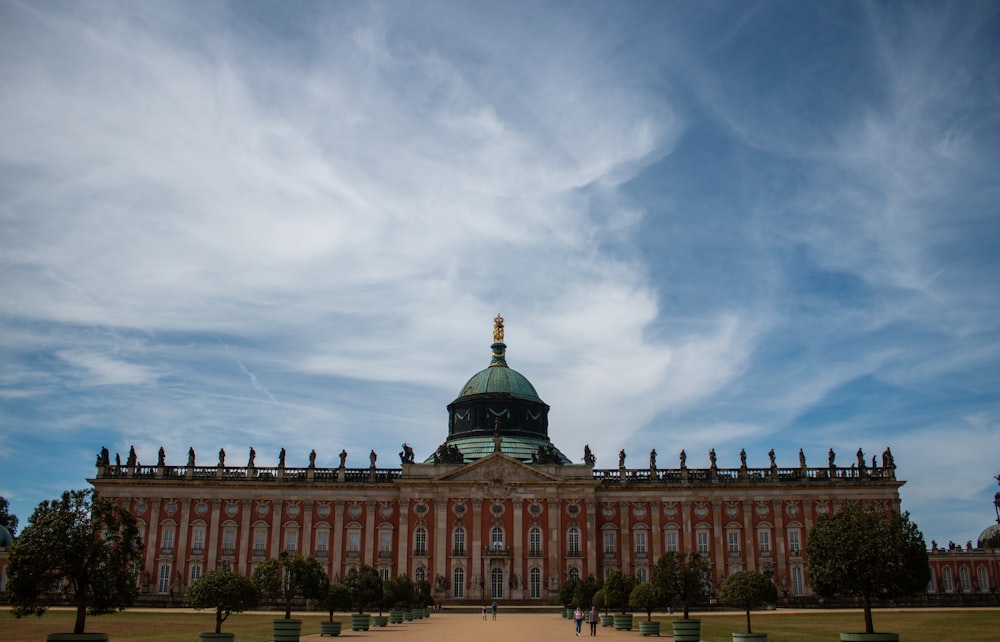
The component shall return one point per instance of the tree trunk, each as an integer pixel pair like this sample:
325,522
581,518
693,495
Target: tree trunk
81,614
218,620
288,610
685,611
748,620
869,626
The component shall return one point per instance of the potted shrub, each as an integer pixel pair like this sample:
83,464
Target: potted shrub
645,597
226,592
566,592
748,589
91,544
365,586
599,602
684,578
335,598
864,552
402,599
617,588
286,578
421,598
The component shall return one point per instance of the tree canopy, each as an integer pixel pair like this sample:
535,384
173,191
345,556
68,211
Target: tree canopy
7,518
336,597
645,597
290,576
683,578
748,589
90,544
223,590
865,552
365,587
617,588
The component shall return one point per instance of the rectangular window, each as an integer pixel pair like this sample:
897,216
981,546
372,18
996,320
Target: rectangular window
734,542
671,541
229,541
420,542
195,572
259,543
609,544
384,574
797,585
535,542
322,542
535,579
385,543
198,539
703,542
764,539
459,542
574,541
640,544
164,582
458,582
168,541
794,546
291,541
353,542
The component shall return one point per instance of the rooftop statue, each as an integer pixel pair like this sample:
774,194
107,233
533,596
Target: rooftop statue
743,458
498,329
406,456
312,458
372,457
343,458
281,458
253,458
222,457
711,457
831,457
684,459
621,458
131,457
190,457
652,458
802,458
161,457
588,456
770,455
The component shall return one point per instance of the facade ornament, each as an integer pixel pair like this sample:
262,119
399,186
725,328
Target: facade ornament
448,454
498,329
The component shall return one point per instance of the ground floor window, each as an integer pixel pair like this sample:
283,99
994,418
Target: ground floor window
496,583
535,582
458,582
195,572
798,587
984,584
946,581
164,584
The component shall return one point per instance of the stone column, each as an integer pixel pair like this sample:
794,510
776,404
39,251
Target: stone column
476,570
276,528
517,547
720,544
780,546
337,547
749,537
403,555
687,535
153,548
213,535
369,543
307,525
555,545
182,537
655,519
593,539
624,521
246,537
441,538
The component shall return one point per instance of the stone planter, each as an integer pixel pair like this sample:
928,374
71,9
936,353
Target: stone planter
212,636
395,616
749,637
567,613
869,637
607,620
649,628
686,630
408,615
418,614
287,630
380,620
361,622
77,637
331,629
623,622
427,612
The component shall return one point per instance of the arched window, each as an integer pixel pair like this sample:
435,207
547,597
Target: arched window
965,579
420,574
984,584
640,574
574,573
946,580
535,542
458,582
535,582
496,583
496,538
420,541
573,541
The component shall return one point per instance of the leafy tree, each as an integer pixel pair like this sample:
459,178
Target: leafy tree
336,597
365,586
682,578
866,553
598,601
585,589
7,518
645,597
88,542
422,593
402,592
617,588
290,576
567,590
223,590
748,589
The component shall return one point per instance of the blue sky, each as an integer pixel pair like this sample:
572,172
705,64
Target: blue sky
709,225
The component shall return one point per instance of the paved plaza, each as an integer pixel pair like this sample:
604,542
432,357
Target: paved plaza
470,627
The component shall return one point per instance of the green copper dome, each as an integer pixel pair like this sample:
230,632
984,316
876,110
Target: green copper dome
499,379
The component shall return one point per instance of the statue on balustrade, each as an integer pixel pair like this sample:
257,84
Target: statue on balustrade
743,458
406,456
312,458
621,458
372,457
343,458
770,455
588,455
190,457
831,457
861,459
281,458
652,459
161,457
711,458
684,459
222,457
802,458
132,460
887,461
253,458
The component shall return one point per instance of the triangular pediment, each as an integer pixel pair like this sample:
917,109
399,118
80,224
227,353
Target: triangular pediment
497,468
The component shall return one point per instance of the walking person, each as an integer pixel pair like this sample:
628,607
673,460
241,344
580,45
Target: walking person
593,619
484,612
494,610
578,619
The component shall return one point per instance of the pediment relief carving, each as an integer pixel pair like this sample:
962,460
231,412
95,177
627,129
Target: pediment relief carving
496,471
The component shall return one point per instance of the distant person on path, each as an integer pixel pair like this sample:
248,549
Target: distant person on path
593,618
578,620
484,612
494,610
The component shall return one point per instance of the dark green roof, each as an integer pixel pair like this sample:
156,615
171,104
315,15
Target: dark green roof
6,539
520,448
499,379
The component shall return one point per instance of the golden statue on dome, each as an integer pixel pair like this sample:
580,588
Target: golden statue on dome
498,329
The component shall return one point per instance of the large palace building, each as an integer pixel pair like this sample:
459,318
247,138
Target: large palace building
497,512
